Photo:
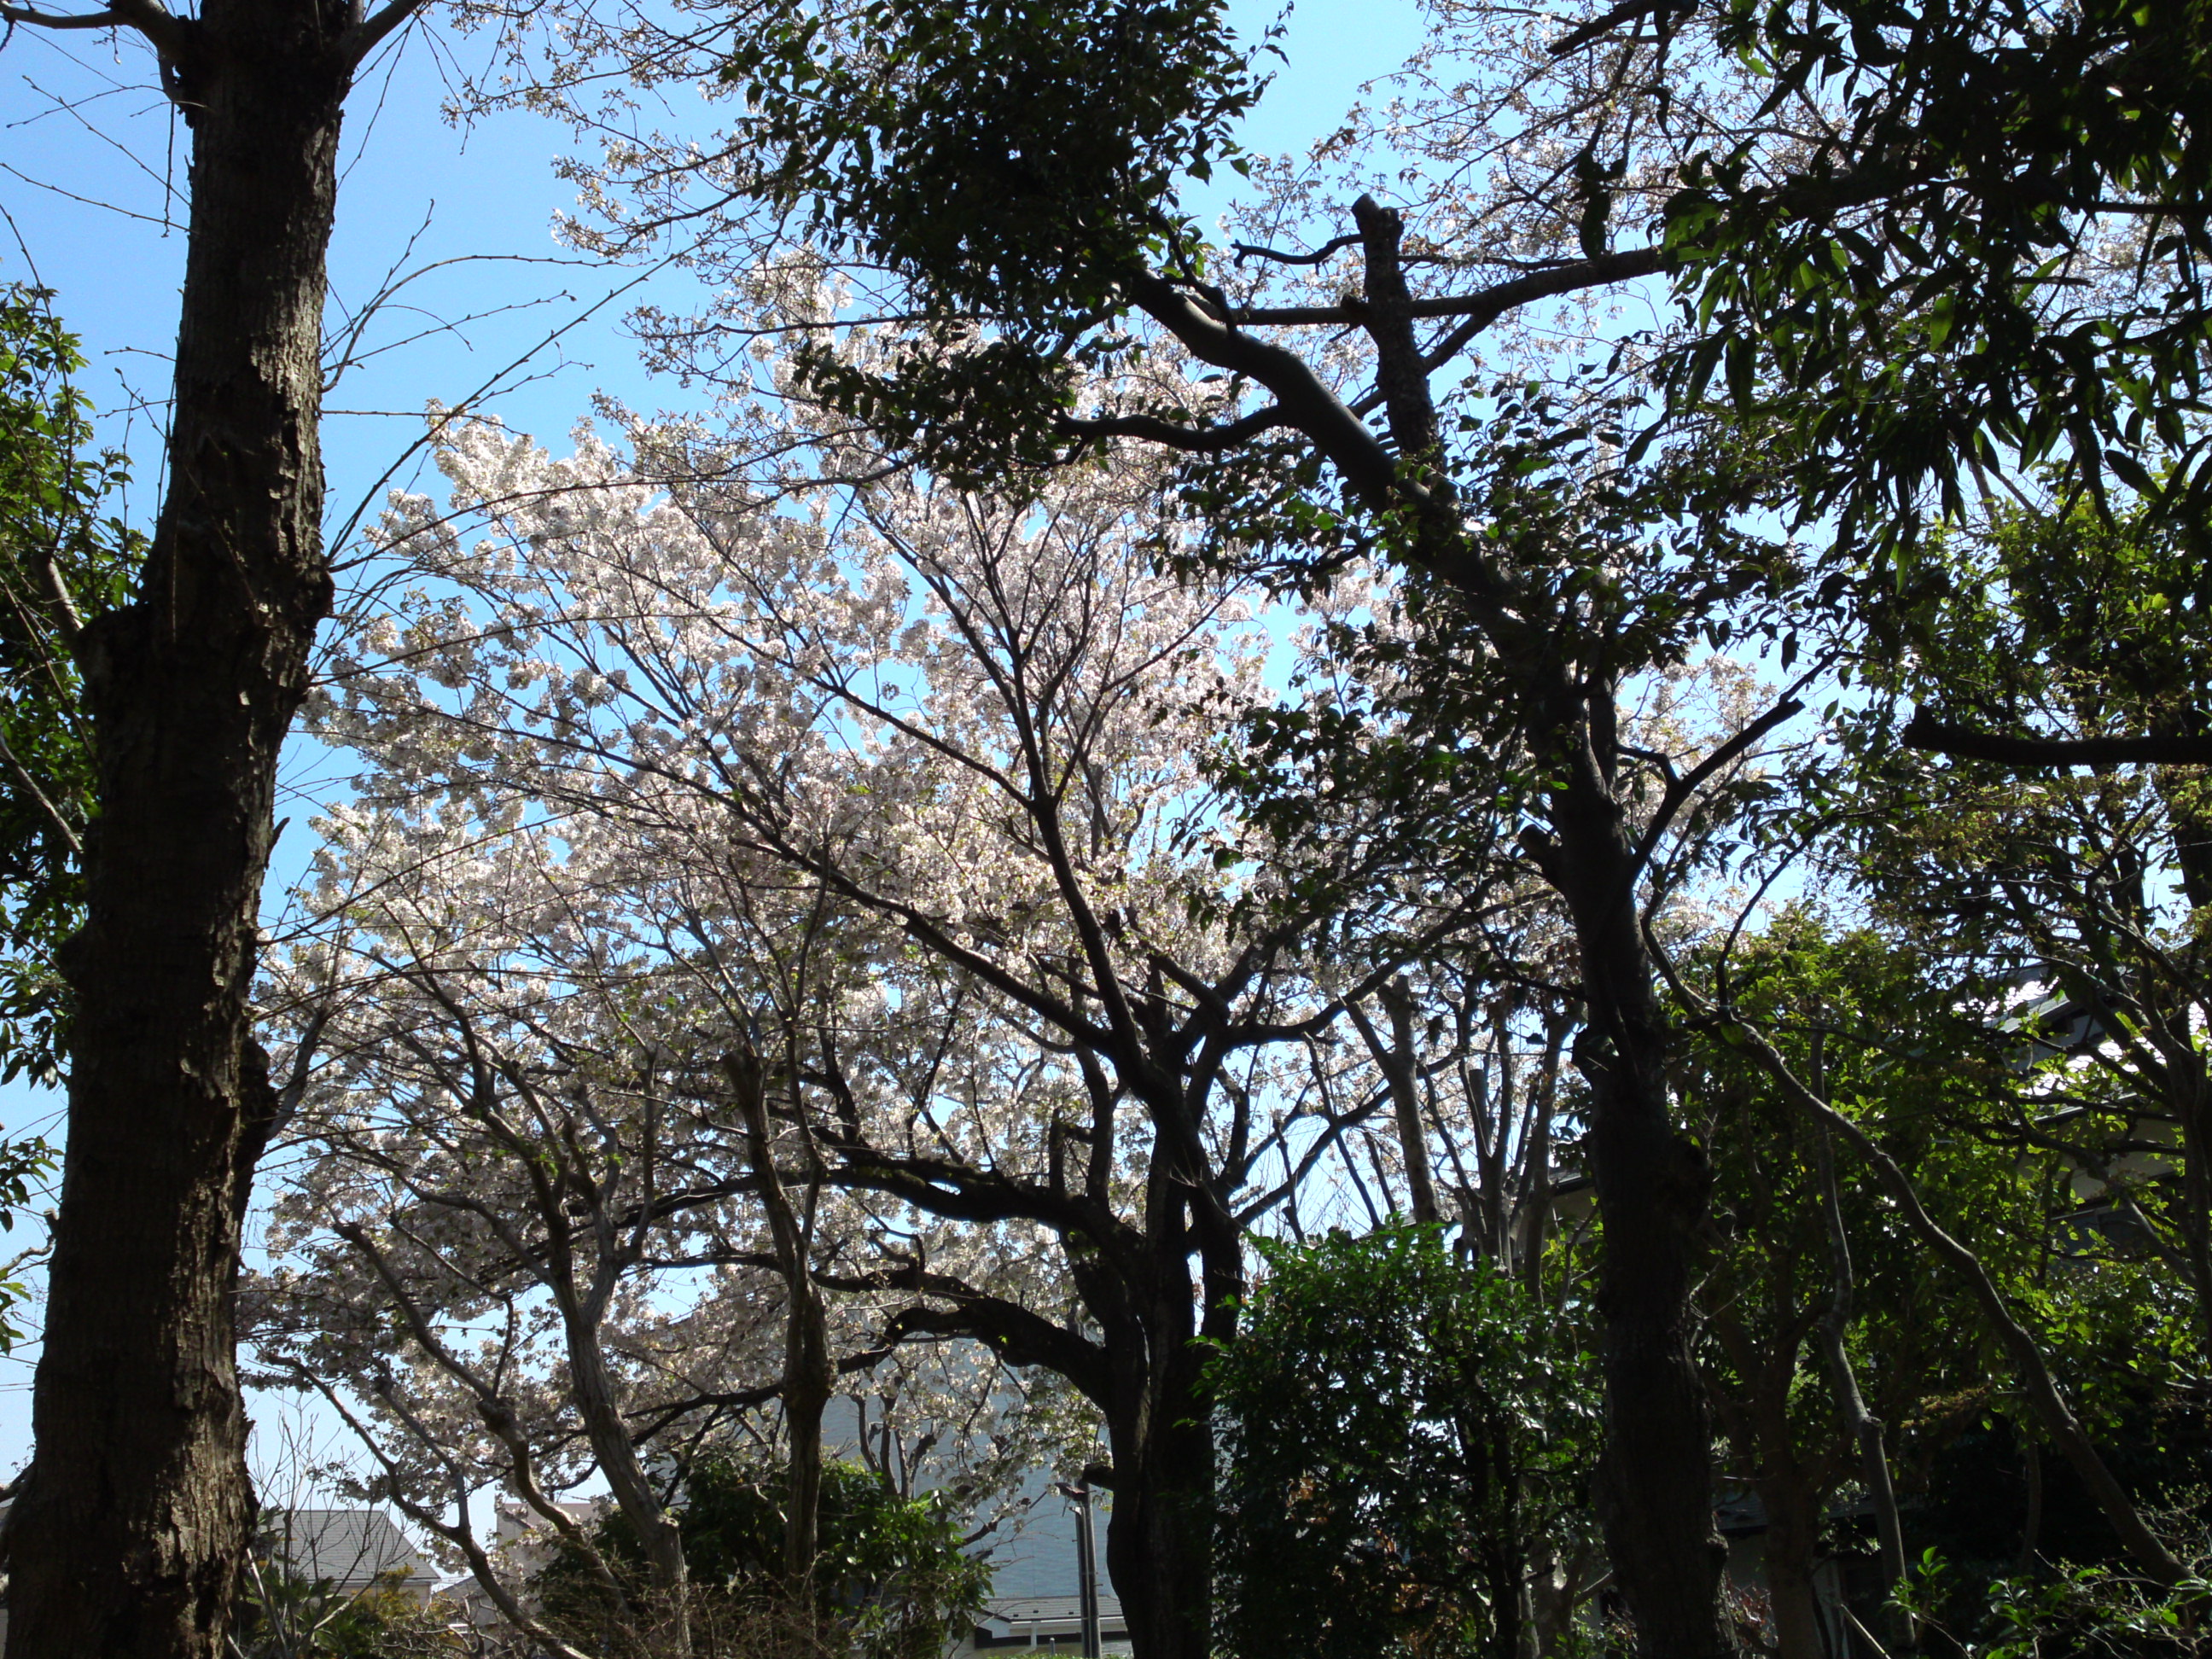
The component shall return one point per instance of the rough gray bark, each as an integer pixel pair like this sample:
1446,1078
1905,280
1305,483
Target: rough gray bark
808,1373
134,1519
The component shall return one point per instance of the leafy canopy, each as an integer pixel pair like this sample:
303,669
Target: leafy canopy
1010,165
1400,1430
1995,254
64,557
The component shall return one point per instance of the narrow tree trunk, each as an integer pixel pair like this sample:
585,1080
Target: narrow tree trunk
1558,1585
1506,1554
1533,1219
1863,1427
2031,1530
1654,1481
1402,1073
808,1374
134,1522
1793,1538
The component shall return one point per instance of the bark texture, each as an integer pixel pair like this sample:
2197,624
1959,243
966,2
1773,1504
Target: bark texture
1159,1538
1654,1481
1793,1543
136,1514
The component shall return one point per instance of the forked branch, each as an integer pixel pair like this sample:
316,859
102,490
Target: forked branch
171,34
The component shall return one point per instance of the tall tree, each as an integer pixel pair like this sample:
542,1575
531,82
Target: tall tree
1030,235
135,1512
134,1519
978,723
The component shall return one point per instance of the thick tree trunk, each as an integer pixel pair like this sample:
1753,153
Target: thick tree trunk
135,1519
1159,1538
1159,1422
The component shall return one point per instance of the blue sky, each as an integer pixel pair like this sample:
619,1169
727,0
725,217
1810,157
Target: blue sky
88,157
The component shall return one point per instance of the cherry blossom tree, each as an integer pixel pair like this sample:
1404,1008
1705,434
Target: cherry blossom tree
1065,1041
523,1237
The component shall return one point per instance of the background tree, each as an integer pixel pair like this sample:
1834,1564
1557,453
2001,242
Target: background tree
522,1222
1827,1335
909,142
2091,884
2014,1316
62,551
896,1581
976,723
1407,1438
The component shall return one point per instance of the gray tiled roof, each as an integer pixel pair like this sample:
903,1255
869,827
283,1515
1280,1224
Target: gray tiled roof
350,1547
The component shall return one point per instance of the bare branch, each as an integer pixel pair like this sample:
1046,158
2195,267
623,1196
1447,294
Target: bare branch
1923,731
1483,307
364,37
38,796
1251,250
171,36
1192,440
1682,789
1306,400
1629,11
97,20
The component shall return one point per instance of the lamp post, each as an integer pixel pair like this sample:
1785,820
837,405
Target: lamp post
1086,1564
